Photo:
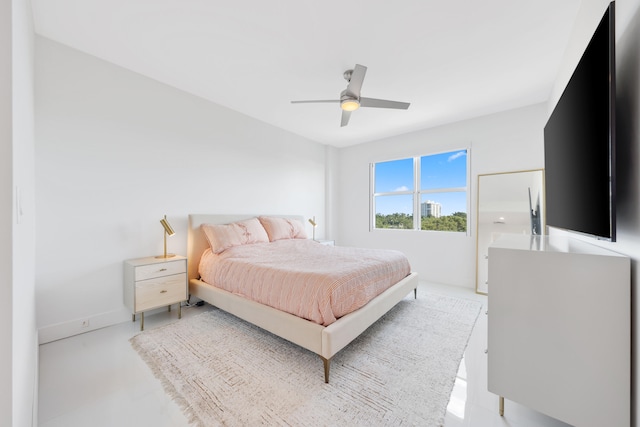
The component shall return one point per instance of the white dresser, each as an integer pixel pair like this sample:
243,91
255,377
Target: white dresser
559,328
154,282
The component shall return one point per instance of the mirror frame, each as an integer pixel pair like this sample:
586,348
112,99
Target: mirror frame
478,200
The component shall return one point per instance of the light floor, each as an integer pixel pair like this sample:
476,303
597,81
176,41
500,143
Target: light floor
96,379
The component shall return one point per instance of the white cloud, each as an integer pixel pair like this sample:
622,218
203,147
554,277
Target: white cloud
455,156
403,188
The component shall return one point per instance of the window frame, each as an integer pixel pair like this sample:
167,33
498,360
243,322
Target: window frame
417,192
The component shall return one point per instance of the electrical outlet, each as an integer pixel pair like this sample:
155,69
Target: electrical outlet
85,323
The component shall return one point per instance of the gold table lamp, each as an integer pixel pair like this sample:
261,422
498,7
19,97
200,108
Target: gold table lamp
312,221
167,231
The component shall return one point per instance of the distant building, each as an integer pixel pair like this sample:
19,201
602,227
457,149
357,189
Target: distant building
430,208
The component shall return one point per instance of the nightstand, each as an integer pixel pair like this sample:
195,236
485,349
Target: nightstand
154,282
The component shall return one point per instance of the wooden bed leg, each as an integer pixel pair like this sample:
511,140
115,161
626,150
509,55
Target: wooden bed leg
327,363
415,293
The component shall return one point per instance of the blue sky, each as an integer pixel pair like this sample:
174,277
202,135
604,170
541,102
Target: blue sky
444,170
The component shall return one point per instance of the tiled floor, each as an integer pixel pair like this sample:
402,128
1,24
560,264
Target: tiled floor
97,379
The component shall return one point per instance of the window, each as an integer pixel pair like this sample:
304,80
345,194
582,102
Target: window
421,193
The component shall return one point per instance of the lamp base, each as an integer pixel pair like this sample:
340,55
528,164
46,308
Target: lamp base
166,256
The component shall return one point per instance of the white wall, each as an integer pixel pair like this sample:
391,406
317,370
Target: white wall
25,334
627,142
19,350
503,142
115,151
6,210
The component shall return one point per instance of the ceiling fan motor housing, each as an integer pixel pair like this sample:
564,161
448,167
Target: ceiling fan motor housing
348,101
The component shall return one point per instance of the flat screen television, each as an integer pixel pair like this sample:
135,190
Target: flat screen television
580,140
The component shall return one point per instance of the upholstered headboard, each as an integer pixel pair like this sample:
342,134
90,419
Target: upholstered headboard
197,242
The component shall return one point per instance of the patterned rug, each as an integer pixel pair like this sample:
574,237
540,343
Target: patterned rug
224,371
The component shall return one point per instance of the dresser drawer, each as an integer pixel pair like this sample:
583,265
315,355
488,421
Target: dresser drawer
160,291
144,272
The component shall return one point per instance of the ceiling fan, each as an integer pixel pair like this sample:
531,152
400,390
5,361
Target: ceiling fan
350,99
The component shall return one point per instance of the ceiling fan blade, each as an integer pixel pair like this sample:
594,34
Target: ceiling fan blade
357,77
345,118
320,100
383,103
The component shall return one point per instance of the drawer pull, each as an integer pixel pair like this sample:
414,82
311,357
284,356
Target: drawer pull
163,269
164,291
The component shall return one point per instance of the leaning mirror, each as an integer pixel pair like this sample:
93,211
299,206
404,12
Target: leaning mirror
508,203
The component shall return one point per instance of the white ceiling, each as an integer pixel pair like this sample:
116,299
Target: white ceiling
451,59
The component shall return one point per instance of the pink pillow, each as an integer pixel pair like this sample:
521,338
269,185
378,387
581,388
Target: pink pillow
223,237
283,228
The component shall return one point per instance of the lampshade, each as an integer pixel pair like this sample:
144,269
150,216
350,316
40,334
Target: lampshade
350,104
167,226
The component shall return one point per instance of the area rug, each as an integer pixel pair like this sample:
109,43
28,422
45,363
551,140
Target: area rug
224,371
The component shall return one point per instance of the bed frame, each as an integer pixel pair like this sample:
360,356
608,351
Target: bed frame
325,341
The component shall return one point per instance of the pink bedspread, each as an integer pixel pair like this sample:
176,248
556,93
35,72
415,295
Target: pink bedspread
302,277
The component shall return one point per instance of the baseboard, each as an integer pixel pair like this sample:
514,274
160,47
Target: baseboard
74,327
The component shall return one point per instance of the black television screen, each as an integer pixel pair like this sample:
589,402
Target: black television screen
579,142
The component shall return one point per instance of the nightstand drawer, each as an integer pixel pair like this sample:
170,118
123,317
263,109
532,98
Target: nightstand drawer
157,292
144,272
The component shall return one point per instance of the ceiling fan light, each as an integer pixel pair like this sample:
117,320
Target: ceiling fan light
350,104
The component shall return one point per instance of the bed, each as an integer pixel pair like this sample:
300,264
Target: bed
324,340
